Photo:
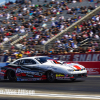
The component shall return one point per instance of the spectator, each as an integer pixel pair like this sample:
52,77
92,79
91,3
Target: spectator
19,55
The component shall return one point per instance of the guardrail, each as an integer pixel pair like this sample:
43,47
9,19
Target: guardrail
9,39
84,40
70,28
83,43
21,37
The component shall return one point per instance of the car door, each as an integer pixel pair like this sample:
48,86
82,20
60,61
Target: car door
30,67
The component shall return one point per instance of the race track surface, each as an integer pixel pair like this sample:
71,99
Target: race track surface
87,86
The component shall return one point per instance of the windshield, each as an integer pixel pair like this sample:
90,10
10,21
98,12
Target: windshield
43,59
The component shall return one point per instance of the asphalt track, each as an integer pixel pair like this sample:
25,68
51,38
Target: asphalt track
87,86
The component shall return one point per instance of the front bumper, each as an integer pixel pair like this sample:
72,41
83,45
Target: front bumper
69,76
82,75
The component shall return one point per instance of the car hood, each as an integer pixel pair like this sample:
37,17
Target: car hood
62,64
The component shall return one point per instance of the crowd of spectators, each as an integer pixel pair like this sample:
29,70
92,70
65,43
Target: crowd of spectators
44,21
52,15
88,30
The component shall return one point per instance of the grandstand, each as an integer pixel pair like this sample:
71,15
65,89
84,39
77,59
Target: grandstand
39,24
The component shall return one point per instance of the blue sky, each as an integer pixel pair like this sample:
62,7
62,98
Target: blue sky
6,0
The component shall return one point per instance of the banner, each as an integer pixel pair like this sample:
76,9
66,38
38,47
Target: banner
77,56
65,57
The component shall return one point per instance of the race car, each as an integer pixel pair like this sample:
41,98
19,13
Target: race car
42,68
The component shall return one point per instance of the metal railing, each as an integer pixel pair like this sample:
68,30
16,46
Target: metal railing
15,36
20,38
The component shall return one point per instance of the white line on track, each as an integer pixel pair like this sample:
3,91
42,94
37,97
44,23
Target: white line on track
68,96
32,93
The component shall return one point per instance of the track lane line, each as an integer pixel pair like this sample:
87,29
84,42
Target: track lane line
32,93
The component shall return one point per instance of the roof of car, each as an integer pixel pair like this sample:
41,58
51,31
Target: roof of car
32,57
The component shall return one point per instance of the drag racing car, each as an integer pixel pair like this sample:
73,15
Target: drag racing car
41,68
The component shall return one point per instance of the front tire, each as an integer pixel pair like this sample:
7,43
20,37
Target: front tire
11,75
51,77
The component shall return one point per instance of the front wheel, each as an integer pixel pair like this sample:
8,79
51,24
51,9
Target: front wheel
51,77
11,75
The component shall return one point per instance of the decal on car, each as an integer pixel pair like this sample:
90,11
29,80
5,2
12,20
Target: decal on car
77,67
60,75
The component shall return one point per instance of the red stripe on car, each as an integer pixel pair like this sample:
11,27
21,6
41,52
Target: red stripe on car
77,67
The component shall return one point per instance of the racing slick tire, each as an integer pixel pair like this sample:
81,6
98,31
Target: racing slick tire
51,76
11,75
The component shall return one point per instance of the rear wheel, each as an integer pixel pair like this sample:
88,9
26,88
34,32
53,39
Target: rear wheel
51,77
11,75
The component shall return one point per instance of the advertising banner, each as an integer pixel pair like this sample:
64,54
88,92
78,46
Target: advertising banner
77,56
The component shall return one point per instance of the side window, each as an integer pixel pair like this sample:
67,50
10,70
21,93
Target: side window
32,62
28,62
22,62
17,62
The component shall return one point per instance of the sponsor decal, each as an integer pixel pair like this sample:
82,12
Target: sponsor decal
93,70
38,73
28,79
18,70
18,79
33,79
24,79
77,57
24,71
60,75
56,62
29,75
